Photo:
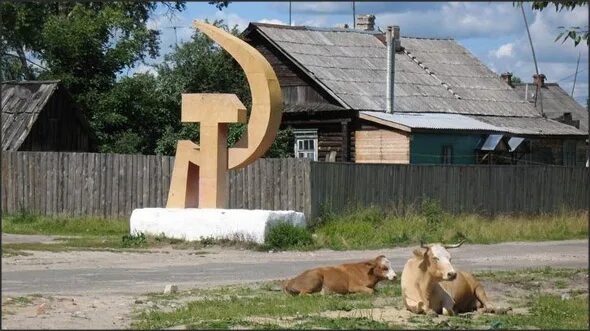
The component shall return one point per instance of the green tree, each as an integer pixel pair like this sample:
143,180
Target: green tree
515,79
576,33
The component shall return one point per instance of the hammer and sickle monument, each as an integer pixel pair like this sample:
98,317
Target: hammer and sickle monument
198,192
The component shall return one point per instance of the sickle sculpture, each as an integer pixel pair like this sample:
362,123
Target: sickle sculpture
267,99
199,174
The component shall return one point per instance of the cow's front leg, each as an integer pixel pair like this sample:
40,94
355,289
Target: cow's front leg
361,289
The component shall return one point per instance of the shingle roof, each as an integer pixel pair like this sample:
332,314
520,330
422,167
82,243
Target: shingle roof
556,101
352,64
294,108
21,104
431,75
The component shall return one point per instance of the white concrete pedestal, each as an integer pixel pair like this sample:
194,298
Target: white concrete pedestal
194,224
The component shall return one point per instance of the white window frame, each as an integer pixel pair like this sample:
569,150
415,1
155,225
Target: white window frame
301,137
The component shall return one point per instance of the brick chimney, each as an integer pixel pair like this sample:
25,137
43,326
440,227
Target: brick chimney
365,22
507,77
539,80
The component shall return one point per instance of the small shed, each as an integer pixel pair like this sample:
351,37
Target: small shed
42,116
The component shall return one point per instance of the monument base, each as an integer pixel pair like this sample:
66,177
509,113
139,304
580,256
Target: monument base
195,224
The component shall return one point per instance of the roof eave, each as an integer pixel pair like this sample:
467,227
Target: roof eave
384,122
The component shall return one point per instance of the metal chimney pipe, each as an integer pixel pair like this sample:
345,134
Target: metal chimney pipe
391,36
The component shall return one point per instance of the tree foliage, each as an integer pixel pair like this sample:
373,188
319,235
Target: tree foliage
575,33
88,45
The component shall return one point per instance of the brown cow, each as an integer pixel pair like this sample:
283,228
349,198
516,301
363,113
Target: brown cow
430,284
345,278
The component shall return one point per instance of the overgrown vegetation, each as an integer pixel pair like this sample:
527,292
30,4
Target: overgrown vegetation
368,228
372,228
264,306
286,236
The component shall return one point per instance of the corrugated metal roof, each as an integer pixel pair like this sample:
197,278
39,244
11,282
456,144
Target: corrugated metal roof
441,121
21,104
436,121
531,125
556,101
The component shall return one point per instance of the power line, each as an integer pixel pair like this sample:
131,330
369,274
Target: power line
576,75
569,76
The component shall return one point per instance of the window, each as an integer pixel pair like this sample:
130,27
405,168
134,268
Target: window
447,154
306,144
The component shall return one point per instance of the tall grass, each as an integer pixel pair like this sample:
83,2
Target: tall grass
29,223
372,228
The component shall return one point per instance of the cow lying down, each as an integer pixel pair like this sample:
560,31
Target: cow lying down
430,284
342,279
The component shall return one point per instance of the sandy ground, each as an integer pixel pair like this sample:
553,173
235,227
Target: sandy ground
83,290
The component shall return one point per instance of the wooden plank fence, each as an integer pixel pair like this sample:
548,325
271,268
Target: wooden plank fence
487,190
112,185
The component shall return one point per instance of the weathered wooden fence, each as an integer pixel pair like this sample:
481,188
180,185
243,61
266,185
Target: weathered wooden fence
112,185
487,190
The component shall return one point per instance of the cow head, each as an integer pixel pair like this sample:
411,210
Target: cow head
436,260
381,268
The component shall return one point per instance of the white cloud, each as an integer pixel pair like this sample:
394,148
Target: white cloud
144,68
232,19
321,7
455,19
504,51
272,21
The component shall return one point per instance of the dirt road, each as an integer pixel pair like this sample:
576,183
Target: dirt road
104,285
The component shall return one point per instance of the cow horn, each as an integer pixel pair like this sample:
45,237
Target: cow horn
455,245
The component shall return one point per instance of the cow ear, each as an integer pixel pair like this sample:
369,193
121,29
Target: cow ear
420,252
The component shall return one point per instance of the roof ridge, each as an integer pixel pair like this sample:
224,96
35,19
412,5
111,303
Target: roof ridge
425,68
429,38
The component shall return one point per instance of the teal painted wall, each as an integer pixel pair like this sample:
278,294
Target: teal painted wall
426,148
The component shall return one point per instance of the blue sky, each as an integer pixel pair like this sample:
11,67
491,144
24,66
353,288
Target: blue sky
492,31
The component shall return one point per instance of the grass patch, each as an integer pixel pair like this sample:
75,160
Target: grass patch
546,312
27,223
261,306
246,304
371,228
368,228
287,236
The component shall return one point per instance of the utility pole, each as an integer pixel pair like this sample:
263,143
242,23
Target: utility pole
576,75
538,91
289,13
175,34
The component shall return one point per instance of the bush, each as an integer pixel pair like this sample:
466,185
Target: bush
136,239
287,236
